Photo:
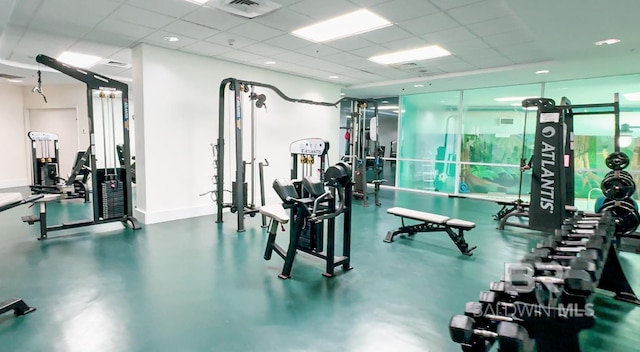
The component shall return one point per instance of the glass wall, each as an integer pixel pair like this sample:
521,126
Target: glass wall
495,130
472,141
427,147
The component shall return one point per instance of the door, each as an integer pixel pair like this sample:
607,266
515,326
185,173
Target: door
64,123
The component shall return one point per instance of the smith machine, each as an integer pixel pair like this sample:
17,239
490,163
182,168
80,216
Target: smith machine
112,196
239,203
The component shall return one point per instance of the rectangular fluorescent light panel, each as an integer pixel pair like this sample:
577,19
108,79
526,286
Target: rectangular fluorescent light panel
632,96
388,107
199,2
353,23
78,60
423,53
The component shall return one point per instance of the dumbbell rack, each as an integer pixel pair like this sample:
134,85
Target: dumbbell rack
549,302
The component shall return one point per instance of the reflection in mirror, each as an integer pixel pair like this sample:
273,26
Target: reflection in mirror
374,146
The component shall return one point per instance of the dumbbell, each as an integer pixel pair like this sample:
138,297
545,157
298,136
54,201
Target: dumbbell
572,231
574,282
551,249
593,242
511,336
589,266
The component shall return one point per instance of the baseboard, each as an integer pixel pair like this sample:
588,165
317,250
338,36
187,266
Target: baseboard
155,217
18,182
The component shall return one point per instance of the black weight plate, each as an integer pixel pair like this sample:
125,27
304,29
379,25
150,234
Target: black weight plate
625,214
618,188
617,161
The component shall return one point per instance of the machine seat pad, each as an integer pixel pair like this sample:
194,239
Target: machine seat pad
276,212
461,224
9,198
418,215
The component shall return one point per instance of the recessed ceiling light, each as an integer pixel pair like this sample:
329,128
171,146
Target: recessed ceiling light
269,62
632,96
607,41
423,53
418,85
199,2
542,72
353,23
334,77
15,80
385,102
78,60
388,107
342,94
171,39
511,99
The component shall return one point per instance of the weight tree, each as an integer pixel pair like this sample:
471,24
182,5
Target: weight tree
112,195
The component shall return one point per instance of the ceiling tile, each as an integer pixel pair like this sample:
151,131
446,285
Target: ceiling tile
284,19
206,49
157,39
239,56
509,38
256,31
478,12
429,24
341,58
318,50
321,65
173,8
232,40
191,30
443,38
320,10
493,62
118,33
495,26
93,48
405,44
85,14
263,49
288,42
386,34
214,18
141,17
292,57
402,10
369,51
456,67
349,43
448,4
467,46
367,3
124,55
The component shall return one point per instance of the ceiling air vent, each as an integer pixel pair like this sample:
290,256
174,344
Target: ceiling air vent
114,63
246,8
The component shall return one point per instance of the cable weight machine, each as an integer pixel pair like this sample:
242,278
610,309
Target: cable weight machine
240,204
111,185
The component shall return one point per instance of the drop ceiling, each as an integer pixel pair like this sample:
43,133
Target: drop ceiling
494,42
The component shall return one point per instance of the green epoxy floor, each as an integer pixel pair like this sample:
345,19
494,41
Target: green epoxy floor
192,285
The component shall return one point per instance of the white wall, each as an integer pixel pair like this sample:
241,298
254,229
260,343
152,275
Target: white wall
176,98
14,164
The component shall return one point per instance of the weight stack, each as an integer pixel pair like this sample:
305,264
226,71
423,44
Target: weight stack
112,199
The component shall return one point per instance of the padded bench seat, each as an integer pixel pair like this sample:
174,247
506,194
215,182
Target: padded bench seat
276,212
431,223
9,198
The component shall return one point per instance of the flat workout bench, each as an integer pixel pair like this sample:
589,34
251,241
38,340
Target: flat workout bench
432,223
